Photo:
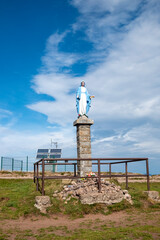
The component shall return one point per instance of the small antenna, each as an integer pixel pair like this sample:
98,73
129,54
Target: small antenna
55,143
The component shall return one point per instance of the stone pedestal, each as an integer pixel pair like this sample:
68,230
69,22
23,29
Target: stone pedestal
83,144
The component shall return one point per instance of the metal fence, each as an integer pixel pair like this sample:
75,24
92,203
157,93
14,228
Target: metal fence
17,164
11,164
25,164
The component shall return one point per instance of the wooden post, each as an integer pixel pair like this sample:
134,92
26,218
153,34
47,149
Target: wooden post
126,175
147,169
43,177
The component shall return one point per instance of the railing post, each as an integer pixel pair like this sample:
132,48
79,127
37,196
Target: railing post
147,169
34,173
42,177
99,176
74,169
27,164
12,164
1,163
110,170
21,166
126,175
37,182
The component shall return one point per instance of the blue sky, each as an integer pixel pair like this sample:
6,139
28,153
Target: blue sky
49,47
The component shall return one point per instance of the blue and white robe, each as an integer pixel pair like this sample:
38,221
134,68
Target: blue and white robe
82,108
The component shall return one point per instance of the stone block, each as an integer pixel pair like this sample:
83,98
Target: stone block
153,195
83,138
83,133
83,120
85,145
84,150
85,156
42,203
88,169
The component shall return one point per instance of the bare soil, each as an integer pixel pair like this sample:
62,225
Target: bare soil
116,219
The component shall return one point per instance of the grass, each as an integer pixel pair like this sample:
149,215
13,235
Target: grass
17,198
139,198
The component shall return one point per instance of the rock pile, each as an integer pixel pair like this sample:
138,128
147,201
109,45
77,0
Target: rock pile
87,192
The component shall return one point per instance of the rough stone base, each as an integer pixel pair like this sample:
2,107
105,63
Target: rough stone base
42,202
87,192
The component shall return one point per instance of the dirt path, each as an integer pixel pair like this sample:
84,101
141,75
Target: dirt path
34,223
121,218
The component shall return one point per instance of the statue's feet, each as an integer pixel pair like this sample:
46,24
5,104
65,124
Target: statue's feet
79,115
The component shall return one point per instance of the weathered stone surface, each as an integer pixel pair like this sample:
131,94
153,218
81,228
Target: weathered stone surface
83,120
153,195
83,138
88,155
83,144
87,192
100,198
81,132
42,203
127,197
84,150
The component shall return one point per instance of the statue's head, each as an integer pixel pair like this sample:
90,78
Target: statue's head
83,84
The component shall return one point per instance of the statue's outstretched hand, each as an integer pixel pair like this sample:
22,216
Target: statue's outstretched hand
92,96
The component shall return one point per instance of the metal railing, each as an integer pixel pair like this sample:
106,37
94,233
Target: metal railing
95,161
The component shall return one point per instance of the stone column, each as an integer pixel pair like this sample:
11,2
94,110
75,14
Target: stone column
83,144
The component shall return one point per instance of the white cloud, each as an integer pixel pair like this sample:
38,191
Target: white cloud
104,22
62,110
127,80
54,60
140,141
92,6
21,143
126,84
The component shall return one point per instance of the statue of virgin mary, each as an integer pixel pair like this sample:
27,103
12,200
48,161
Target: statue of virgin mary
83,100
